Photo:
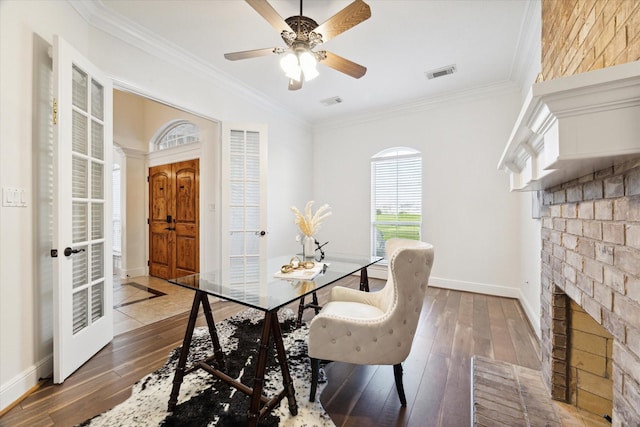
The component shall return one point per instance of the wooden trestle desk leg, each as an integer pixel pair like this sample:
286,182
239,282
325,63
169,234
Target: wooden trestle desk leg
217,349
270,326
364,279
287,382
200,297
302,307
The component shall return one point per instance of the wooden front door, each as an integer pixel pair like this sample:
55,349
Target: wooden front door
174,226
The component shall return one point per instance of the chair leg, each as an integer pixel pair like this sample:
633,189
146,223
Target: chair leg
315,368
397,373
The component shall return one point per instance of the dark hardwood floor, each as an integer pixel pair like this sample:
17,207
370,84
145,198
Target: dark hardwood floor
453,327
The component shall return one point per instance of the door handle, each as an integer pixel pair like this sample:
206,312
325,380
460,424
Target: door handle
170,228
68,251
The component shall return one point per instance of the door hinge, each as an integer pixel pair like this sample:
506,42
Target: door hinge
55,111
147,263
54,253
147,179
147,220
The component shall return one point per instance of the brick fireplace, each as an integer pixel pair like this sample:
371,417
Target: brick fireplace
591,259
580,119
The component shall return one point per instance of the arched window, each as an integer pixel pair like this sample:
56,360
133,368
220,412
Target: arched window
396,196
179,132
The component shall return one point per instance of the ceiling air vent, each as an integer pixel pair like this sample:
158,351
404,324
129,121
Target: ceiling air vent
331,101
444,71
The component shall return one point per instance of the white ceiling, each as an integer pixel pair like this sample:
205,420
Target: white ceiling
398,44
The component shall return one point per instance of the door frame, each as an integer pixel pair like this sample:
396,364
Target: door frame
208,155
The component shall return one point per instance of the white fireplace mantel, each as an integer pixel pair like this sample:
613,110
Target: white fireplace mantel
573,126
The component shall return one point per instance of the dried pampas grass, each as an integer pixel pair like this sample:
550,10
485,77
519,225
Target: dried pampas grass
310,223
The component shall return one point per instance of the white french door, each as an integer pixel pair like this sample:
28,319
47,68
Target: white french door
83,279
244,219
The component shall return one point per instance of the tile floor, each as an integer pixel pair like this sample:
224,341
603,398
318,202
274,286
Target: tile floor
139,301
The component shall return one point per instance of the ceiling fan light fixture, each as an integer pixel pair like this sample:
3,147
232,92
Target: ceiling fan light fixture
302,34
300,63
308,64
290,66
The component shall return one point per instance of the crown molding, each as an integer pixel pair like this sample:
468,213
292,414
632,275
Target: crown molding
418,105
529,42
132,153
97,15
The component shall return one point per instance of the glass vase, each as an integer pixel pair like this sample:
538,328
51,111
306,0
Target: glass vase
308,247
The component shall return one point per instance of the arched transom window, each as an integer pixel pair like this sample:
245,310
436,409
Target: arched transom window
176,133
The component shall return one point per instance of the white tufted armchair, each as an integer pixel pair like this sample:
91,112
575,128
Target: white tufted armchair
375,328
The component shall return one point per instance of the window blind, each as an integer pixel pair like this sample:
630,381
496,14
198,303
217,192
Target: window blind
396,201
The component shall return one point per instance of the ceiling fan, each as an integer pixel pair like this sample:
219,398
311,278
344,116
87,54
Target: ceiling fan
301,34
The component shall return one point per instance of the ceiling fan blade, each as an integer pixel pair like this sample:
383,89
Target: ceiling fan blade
295,85
343,65
347,18
270,14
234,56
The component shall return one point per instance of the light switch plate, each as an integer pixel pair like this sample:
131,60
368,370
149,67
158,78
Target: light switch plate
13,197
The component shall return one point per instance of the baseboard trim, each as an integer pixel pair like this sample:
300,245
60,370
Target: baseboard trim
475,287
13,391
134,272
379,272
534,318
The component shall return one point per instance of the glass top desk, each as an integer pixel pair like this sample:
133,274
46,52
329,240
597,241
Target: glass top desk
255,286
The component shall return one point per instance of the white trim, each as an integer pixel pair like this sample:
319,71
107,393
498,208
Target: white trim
174,154
376,271
379,272
558,134
135,272
17,386
534,318
475,287
96,14
528,43
136,90
417,106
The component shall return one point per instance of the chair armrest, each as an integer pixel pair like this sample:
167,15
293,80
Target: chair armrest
340,293
356,333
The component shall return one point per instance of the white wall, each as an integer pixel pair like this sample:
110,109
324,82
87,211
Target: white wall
25,295
25,306
469,215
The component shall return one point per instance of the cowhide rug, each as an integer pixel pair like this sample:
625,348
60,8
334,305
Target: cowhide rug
204,400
